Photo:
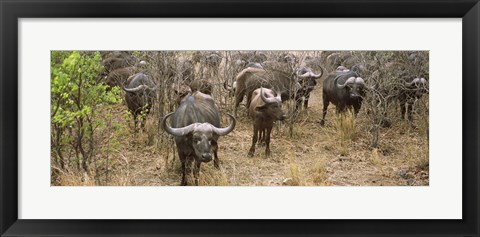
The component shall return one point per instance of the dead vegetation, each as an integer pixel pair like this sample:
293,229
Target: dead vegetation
306,154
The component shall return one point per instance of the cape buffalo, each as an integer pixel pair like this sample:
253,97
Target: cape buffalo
344,90
196,128
119,77
265,109
185,70
231,89
242,60
308,80
409,93
117,59
211,62
140,94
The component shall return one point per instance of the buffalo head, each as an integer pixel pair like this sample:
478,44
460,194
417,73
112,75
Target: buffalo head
272,106
355,87
200,135
418,85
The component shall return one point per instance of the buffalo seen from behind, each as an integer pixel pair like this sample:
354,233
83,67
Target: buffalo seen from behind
196,128
140,95
250,79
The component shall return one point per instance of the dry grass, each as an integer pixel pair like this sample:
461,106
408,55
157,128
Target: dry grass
346,131
318,173
338,154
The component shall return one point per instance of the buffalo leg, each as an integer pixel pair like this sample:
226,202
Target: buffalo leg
409,111
135,121
298,102
249,99
356,109
402,110
196,171
216,161
238,99
261,137
184,162
305,103
267,141
325,107
143,121
254,141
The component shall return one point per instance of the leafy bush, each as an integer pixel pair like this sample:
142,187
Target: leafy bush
77,95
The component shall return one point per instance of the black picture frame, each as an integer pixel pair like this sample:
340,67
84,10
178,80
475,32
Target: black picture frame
11,11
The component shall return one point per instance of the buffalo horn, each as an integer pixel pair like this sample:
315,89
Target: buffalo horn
412,82
360,80
348,81
267,100
311,74
176,131
225,131
138,88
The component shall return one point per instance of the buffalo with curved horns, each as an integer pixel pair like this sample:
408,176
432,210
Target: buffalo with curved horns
265,109
344,90
308,80
140,94
196,127
412,91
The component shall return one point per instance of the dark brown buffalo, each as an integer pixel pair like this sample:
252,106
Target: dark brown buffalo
308,80
213,60
140,94
409,93
265,109
344,90
119,77
117,59
196,128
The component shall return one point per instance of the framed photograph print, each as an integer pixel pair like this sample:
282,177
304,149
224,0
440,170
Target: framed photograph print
245,118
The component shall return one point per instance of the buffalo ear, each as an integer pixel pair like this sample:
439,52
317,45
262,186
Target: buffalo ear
189,136
261,108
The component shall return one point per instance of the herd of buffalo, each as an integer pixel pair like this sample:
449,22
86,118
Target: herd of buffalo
264,80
